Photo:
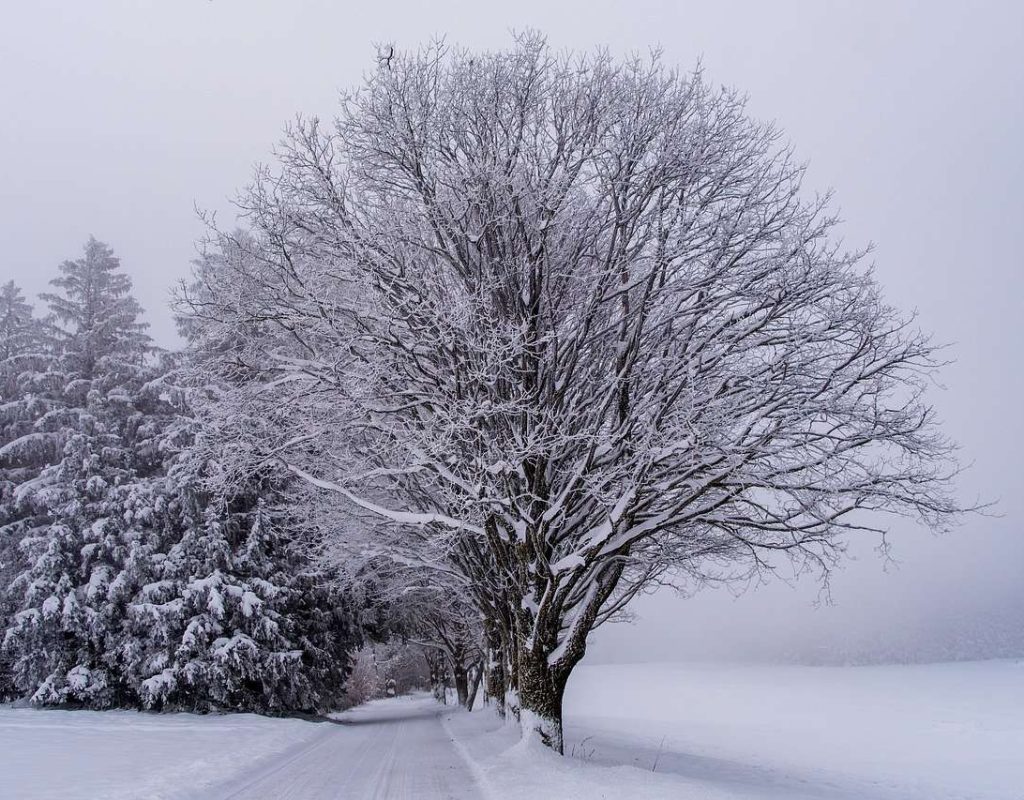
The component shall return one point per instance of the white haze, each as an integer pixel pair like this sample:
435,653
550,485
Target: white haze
119,117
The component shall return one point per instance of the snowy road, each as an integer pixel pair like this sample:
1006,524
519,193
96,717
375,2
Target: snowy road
388,750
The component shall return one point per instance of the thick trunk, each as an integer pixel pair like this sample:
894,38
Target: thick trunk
476,673
511,661
461,680
496,687
540,697
541,679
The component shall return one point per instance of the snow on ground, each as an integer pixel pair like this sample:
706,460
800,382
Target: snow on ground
507,768
125,755
387,750
722,732
934,732
636,732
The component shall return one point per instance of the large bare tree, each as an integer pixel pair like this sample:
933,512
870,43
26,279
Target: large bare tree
564,326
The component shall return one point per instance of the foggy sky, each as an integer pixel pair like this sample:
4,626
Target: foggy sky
117,118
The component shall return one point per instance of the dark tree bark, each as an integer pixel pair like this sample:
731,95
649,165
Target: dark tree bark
496,686
541,689
461,680
476,672
438,675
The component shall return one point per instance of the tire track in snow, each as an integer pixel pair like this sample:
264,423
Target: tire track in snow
390,750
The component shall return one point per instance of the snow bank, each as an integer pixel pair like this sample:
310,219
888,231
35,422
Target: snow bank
507,767
123,755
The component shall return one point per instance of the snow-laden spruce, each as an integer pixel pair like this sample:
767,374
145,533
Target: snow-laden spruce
130,580
564,326
237,616
82,517
24,382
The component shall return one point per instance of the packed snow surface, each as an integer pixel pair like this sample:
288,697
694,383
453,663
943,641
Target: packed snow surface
642,732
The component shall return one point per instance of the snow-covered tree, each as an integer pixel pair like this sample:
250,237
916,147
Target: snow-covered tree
21,336
25,356
238,617
364,681
98,319
238,613
566,326
28,387
402,665
434,611
90,513
146,563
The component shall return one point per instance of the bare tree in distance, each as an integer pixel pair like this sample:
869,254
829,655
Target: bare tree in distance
436,615
564,326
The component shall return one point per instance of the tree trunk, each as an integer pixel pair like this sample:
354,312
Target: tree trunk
476,672
438,676
540,698
510,660
496,684
461,680
541,685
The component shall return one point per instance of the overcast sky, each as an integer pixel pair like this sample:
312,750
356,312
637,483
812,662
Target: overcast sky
118,118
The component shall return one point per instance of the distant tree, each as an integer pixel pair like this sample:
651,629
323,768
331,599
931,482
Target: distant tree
433,611
568,327
364,681
21,334
98,318
28,386
402,665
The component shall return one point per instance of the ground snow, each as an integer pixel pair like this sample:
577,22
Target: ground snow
933,732
721,732
509,767
634,732
125,755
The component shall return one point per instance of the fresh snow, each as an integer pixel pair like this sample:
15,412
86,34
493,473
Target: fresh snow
125,755
393,748
634,732
508,767
898,732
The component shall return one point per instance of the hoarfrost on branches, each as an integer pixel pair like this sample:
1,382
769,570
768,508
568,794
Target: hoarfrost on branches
563,327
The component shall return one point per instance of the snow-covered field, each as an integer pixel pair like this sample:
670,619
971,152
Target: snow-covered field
636,731
934,732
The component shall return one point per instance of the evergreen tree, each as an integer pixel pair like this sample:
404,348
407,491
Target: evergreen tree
27,387
240,618
159,561
25,445
20,332
94,512
104,341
